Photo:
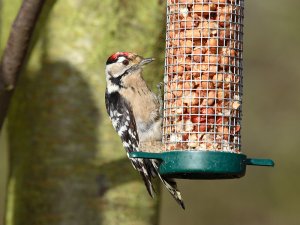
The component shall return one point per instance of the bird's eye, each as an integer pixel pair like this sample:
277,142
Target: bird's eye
125,62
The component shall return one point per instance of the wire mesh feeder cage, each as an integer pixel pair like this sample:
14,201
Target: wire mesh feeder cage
203,91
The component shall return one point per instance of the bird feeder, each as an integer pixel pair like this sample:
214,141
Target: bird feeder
203,92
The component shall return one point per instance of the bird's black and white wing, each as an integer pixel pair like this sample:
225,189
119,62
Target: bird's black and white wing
123,121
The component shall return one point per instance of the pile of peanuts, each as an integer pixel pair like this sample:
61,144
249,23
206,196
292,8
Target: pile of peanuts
203,75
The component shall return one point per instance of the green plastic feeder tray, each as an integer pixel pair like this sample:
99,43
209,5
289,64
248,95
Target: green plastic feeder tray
202,165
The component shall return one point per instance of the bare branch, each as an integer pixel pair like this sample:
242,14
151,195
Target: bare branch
16,49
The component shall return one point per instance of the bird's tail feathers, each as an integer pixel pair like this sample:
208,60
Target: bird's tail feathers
171,185
148,168
143,167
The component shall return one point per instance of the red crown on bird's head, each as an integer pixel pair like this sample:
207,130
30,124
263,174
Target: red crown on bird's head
114,58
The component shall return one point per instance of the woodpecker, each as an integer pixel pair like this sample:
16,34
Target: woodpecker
134,111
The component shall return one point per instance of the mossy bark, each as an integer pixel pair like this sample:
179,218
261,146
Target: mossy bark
67,164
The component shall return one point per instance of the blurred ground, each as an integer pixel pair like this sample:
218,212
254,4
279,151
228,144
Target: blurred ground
271,108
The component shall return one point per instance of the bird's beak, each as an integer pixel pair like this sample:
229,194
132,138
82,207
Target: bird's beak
139,66
146,61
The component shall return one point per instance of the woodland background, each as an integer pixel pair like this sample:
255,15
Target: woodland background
67,165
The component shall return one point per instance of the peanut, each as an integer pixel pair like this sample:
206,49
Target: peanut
197,55
192,140
190,98
189,126
190,34
189,23
198,119
217,80
211,97
219,1
211,59
212,45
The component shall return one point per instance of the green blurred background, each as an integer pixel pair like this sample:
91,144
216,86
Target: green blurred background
271,106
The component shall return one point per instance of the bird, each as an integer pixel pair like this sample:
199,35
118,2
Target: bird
135,113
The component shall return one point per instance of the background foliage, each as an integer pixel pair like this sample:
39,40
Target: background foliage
81,41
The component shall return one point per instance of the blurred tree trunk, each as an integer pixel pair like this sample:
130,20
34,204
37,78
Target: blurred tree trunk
67,165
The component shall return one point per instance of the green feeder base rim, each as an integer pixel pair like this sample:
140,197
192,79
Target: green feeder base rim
202,164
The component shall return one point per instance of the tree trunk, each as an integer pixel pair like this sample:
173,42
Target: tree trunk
67,164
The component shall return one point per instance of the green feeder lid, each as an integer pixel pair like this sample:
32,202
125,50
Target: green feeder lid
202,165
